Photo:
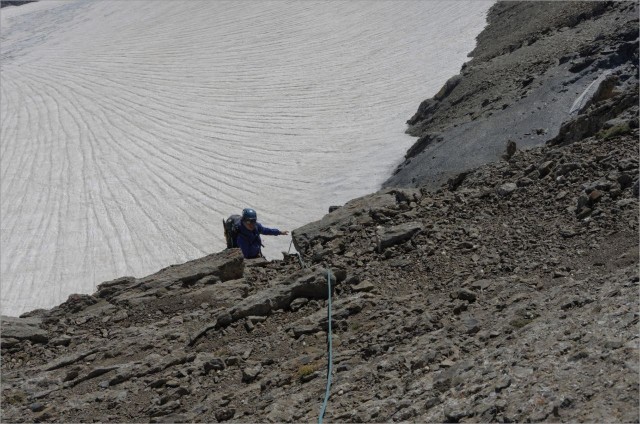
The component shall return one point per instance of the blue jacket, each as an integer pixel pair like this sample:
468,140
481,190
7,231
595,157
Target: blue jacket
250,242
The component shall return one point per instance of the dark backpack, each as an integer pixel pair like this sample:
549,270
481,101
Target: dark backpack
231,229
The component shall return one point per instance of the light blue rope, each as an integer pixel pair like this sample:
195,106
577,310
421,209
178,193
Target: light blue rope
330,349
329,337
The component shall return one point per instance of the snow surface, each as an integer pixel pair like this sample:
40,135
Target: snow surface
130,129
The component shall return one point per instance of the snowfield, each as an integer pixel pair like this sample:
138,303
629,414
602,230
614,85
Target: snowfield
131,129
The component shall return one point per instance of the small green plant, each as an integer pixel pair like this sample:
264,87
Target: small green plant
520,322
614,131
306,370
15,397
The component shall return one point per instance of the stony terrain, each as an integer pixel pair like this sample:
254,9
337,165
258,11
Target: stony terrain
535,66
508,294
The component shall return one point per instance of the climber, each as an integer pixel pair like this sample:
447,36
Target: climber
244,232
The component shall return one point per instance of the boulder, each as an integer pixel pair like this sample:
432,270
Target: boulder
307,283
506,189
227,265
398,233
223,266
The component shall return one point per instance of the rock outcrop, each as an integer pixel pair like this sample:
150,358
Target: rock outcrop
526,78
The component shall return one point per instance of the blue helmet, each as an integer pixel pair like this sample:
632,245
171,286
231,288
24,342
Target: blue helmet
249,214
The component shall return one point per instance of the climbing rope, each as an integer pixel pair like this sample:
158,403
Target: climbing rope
329,337
329,349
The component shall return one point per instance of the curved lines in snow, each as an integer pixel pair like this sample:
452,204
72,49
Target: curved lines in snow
19,166
106,170
16,234
10,125
73,125
261,167
142,159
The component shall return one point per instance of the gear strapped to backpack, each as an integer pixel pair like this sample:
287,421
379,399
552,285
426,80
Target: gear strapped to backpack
231,228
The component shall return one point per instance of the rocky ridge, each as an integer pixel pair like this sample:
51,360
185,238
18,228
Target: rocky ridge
508,294
536,65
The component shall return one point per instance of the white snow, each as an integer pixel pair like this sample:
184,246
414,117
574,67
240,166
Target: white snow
130,129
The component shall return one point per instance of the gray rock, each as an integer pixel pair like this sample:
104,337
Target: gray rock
502,383
226,265
69,359
250,374
364,286
298,303
213,364
305,328
595,196
481,284
454,411
468,295
405,414
566,168
398,233
545,168
624,203
471,324
165,409
625,180
23,329
63,340
225,414
506,189
308,377
120,316
628,165
37,407
524,182
583,201
309,284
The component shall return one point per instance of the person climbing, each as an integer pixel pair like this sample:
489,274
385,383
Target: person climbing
245,233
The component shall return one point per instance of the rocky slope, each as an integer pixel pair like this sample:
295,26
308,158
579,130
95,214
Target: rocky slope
508,294
535,66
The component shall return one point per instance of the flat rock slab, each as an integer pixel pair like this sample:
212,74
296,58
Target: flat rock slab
223,266
23,329
227,265
398,233
308,284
